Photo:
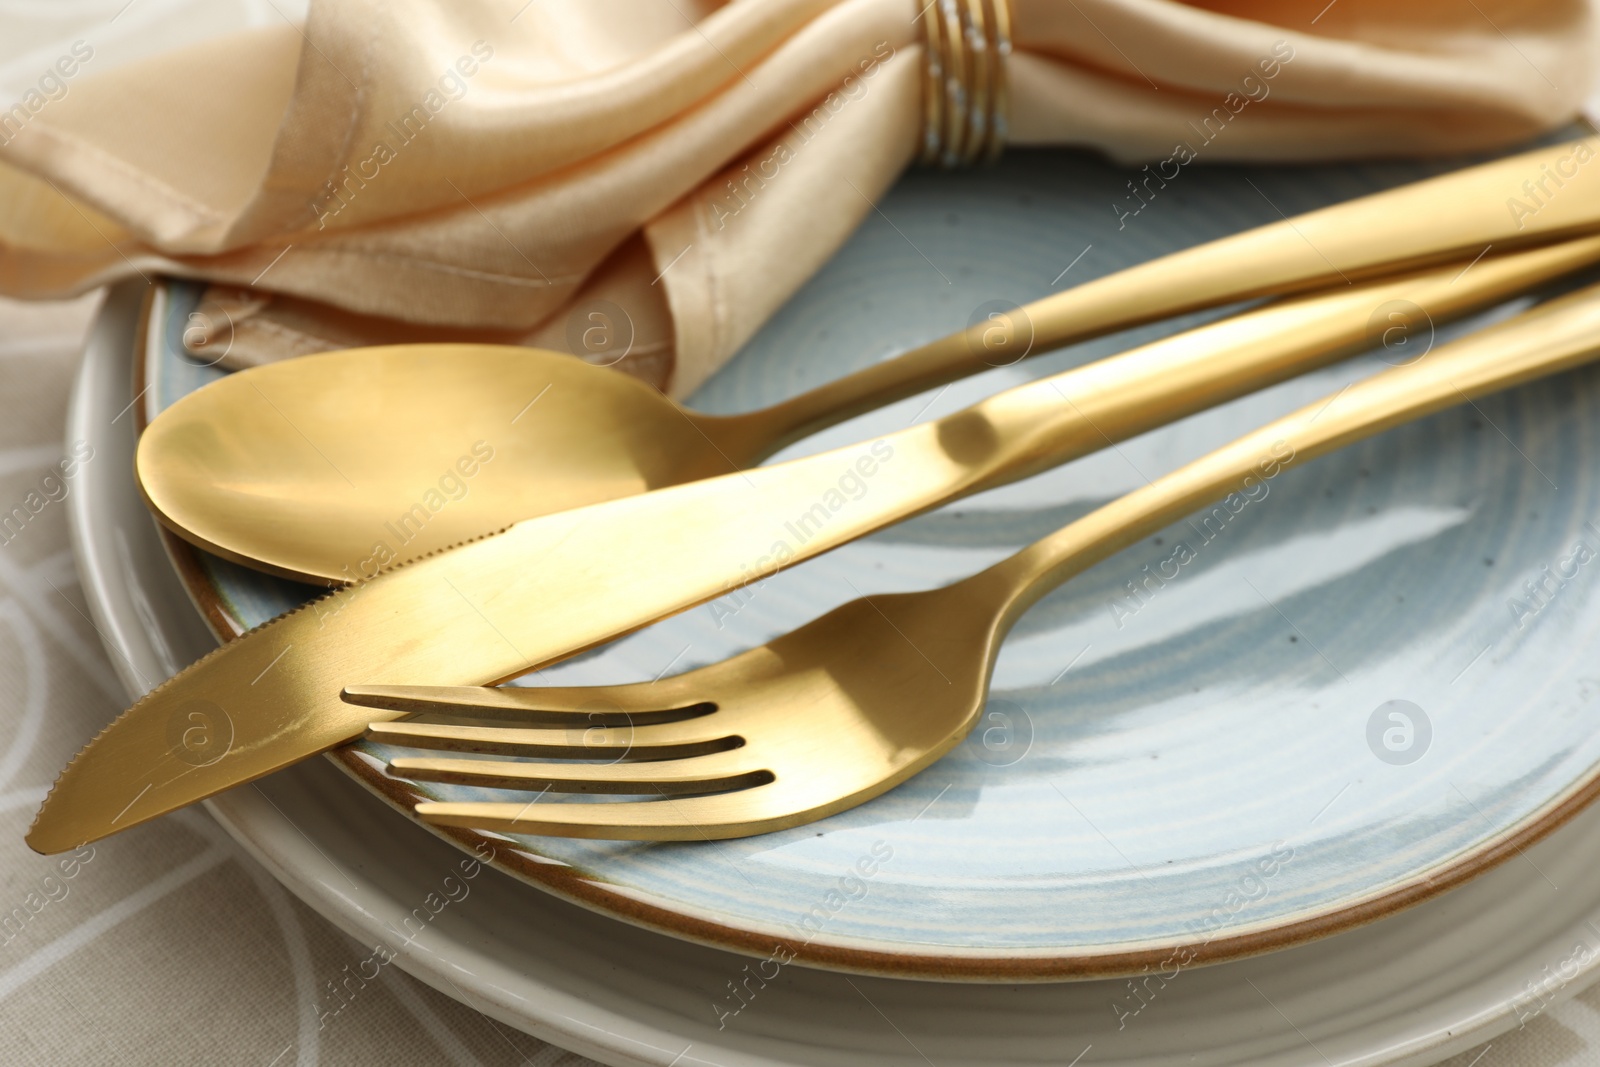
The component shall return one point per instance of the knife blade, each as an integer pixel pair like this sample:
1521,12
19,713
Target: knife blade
476,614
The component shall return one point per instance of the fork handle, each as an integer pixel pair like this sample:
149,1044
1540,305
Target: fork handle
1530,198
1554,337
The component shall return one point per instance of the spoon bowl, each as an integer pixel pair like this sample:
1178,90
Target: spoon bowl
472,438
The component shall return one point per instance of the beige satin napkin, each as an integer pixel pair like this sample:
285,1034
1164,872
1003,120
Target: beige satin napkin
645,181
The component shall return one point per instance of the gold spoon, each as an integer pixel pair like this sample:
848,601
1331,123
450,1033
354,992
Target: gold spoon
331,467
860,699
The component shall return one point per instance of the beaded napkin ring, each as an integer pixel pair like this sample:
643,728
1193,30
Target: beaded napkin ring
965,97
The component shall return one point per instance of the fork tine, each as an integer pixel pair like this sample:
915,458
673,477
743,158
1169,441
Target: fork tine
698,774
703,818
597,705
666,741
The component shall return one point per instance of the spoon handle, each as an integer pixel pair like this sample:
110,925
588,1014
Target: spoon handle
1551,338
1530,198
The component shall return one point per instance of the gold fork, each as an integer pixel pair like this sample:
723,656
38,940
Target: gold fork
860,699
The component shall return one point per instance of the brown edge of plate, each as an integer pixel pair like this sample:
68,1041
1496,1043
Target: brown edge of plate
569,884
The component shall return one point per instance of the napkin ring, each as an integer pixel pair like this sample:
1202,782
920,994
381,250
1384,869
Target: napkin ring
965,97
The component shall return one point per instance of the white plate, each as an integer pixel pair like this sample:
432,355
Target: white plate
1408,989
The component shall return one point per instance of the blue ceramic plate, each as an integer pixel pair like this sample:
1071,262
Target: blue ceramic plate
1370,685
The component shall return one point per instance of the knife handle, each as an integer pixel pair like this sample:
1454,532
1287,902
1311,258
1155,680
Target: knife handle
1037,426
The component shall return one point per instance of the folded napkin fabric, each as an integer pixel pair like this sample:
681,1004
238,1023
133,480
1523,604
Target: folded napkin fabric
644,182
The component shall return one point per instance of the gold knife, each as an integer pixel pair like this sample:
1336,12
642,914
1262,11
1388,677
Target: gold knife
549,587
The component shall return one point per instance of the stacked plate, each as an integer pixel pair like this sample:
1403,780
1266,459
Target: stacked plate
1370,686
